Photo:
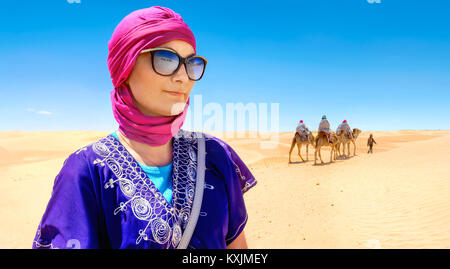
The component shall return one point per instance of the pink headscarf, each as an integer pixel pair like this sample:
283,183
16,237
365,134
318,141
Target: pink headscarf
143,29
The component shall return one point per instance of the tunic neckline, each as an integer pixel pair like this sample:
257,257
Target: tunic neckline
160,170
166,221
170,206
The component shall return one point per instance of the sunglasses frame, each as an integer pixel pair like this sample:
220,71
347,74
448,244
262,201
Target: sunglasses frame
181,60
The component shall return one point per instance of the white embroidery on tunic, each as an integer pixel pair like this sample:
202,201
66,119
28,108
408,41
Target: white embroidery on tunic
71,243
237,230
247,184
36,242
144,199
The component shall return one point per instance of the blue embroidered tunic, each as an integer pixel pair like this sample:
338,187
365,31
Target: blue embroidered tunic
102,198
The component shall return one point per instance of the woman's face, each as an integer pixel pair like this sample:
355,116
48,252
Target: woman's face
151,91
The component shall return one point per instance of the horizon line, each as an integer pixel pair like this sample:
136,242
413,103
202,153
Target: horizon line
85,130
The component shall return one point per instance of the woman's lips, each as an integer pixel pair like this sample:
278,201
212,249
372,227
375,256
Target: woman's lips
175,93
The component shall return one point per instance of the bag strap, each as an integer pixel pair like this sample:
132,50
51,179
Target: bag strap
198,197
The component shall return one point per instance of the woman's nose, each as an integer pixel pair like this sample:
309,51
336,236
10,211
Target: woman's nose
181,74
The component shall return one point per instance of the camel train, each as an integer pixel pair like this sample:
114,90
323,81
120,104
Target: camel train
334,141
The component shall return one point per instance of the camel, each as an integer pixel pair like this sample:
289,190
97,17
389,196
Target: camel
299,141
322,141
344,140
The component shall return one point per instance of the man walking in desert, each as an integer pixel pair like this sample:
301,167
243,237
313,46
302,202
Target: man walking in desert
370,142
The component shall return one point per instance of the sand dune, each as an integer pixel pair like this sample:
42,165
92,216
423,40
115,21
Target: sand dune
394,198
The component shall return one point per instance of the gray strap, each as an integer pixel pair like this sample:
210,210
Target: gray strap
198,196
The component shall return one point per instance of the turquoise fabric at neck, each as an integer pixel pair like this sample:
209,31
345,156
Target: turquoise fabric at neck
160,176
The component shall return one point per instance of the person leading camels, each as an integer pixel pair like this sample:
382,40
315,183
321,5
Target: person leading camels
370,142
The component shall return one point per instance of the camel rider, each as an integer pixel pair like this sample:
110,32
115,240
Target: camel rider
302,130
324,126
344,127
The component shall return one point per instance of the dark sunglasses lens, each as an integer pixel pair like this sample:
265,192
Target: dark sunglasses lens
195,67
165,62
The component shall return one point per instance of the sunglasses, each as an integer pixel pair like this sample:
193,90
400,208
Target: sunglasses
166,62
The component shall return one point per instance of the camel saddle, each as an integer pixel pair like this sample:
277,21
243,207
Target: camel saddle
303,136
324,134
347,133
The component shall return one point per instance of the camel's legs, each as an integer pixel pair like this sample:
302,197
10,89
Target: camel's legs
354,148
315,156
320,156
299,146
292,146
307,158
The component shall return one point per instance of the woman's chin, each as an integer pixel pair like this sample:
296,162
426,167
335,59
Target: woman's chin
176,108
171,108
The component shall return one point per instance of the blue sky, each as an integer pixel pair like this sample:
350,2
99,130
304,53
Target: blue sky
381,66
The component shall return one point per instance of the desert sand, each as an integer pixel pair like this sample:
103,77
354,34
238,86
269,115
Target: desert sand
396,197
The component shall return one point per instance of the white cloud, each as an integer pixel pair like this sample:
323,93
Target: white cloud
43,112
40,112
74,1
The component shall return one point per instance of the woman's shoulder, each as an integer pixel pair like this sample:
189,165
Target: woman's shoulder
77,168
82,165
87,154
221,156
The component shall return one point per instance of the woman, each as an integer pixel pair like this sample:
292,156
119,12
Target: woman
146,185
